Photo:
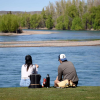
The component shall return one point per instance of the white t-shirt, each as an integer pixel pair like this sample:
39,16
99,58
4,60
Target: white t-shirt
25,74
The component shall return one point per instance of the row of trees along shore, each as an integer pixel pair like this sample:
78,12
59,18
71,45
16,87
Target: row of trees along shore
63,15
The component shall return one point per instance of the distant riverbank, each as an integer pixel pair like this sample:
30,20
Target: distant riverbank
27,33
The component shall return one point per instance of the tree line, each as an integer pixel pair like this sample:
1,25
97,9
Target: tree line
63,15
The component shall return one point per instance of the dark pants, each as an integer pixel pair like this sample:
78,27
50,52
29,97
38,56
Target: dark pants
76,83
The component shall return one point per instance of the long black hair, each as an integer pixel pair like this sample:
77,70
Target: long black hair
28,61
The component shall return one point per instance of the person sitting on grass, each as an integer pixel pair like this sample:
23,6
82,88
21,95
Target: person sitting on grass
66,70
26,70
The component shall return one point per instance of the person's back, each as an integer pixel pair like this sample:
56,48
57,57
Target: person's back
26,70
68,71
26,73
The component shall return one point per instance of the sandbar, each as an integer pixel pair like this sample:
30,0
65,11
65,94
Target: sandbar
44,43
27,33
49,43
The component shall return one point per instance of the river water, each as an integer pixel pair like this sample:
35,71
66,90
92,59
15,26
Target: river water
86,59
60,35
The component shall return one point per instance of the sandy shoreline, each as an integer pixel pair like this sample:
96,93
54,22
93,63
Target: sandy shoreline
49,43
44,43
27,33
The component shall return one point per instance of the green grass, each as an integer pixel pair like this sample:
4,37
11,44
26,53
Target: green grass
81,40
24,93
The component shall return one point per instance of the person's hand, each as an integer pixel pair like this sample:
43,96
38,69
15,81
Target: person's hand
37,66
57,78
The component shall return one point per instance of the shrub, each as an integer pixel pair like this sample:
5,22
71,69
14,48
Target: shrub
49,22
76,24
35,20
9,23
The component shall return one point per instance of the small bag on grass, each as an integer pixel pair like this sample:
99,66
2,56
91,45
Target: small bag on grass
66,83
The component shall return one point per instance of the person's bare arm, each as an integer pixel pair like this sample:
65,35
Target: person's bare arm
37,66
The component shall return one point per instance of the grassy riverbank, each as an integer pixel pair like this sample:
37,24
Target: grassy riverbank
79,93
81,40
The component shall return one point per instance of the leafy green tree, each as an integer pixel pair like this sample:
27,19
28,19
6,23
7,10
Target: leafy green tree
73,2
44,17
77,24
66,22
60,23
90,19
43,14
14,24
49,22
96,24
3,24
86,21
9,23
92,15
35,20
93,12
60,26
63,14
68,19
72,11
81,9
23,20
28,22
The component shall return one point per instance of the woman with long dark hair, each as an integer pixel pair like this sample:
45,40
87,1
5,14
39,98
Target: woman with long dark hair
26,70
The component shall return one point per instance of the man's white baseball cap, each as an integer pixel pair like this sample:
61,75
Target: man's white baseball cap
62,57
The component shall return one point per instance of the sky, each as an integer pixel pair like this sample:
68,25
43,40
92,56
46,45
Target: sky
24,5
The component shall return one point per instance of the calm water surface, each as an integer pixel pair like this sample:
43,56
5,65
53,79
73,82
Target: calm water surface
61,35
85,59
